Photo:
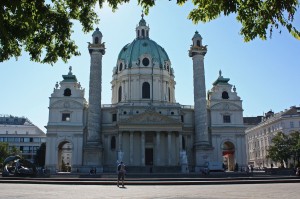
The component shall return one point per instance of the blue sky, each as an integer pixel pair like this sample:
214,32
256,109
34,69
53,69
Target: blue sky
265,73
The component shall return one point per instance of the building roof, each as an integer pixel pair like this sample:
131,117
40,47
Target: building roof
221,79
252,120
70,77
292,111
13,120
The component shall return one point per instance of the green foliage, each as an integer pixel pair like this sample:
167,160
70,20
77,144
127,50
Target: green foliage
3,151
280,150
285,147
43,28
41,155
15,151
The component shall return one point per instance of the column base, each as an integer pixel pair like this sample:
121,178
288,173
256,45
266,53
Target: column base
93,156
203,155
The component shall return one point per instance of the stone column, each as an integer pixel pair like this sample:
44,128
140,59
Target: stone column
93,150
157,148
169,149
120,147
120,141
180,141
131,148
95,88
143,148
202,145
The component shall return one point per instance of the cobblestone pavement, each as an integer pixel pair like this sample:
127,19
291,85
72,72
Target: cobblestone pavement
244,191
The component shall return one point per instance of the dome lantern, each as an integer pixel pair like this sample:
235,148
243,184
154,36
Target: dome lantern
142,30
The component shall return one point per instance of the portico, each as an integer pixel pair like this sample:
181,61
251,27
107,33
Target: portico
150,139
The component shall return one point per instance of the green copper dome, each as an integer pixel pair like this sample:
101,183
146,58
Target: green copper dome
142,51
136,50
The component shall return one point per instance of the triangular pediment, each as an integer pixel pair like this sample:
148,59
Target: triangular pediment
150,117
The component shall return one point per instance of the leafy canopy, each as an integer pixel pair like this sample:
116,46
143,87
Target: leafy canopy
285,147
43,28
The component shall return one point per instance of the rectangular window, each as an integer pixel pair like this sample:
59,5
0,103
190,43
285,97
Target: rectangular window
114,117
36,139
10,139
26,139
182,118
226,119
66,117
35,148
26,149
292,124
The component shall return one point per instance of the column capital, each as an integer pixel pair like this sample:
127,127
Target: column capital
197,50
97,48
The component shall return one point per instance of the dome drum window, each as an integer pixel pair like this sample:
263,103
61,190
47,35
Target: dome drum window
146,61
146,90
120,67
120,94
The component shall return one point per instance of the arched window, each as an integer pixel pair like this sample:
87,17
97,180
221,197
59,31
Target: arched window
169,93
138,33
198,43
120,94
120,67
143,32
225,95
67,92
113,143
146,90
96,40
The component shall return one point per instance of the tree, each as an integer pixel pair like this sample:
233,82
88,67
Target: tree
3,151
295,146
14,151
280,150
43,28
40,155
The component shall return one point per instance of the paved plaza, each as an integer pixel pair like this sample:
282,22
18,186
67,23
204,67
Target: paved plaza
246,191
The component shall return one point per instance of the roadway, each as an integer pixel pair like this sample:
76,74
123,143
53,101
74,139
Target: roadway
228,191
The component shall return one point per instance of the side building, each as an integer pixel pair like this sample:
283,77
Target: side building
259,137
19,132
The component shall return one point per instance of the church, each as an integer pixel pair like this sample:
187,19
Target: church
144,126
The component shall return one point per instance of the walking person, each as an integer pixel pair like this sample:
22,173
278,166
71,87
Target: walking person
121,173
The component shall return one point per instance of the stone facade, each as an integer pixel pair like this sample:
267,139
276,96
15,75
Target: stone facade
259,137
144,126
19,132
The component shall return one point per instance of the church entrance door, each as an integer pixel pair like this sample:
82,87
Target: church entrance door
228,156
65,156
149,156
